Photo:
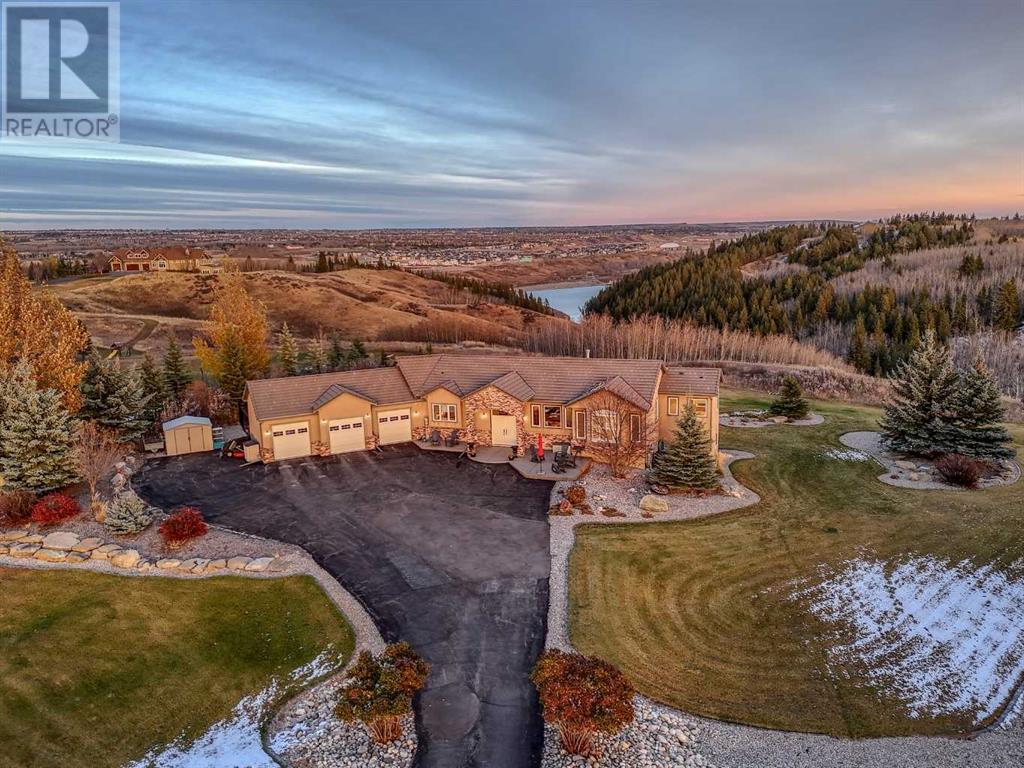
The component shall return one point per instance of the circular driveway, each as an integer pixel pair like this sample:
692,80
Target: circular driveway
447,554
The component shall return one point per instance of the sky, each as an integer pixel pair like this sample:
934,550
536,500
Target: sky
317,114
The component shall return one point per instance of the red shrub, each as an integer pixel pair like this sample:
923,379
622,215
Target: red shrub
16,506
55,508
576,494
183,525
960,470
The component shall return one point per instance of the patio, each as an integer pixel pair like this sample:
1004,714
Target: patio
499,454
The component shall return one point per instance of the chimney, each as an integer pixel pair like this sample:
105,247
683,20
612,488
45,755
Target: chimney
586,353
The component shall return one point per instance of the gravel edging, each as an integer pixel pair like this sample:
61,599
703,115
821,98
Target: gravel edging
921,476
746,422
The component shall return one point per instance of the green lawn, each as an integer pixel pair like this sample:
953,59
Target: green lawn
97,669
698,613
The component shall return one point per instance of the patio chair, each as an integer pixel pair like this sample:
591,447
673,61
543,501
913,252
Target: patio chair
533,454
563,458
453,438
435,437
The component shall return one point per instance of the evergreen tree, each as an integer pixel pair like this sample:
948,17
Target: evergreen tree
289,354
980,414
356,352
859,356
688,461
314,356
127,514
154,388
114,399
336,357
233,376
321,262
790,400
1006,312
921,411
37,435
176,372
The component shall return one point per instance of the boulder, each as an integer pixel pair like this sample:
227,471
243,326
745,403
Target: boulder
87,545
652,503
20,549
32,538
778,419
168,562
76,557
13,535
62,540
144,565
238,563
128,558
278,564
915,477
903,464
200,565
105,552
259,565
187,565
216,565
51,555
5,548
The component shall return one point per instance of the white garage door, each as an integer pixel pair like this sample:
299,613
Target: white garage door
394,427
346,435
291,440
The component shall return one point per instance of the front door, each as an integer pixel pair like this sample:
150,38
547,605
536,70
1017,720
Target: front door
503,430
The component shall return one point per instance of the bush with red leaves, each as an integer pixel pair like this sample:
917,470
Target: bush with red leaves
55,508
960,470
183,525
16,506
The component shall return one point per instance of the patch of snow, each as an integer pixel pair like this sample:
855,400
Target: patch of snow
234,742
944,637
846,455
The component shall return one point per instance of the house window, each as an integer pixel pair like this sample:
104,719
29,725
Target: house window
549,416
636,429
701,407
673,406
604,426
579,425
442,412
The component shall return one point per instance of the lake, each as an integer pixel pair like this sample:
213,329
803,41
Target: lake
568,300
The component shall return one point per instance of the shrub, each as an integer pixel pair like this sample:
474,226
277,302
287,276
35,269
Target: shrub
789,402
576,494
960,470
379,690
582,696
183,525
127,513
16,506
55,508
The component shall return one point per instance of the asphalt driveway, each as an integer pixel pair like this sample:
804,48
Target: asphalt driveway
447,554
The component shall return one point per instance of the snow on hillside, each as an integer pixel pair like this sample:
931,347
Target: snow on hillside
946,638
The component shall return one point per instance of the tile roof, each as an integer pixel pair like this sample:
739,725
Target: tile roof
550,379
555,379
681,380
297,395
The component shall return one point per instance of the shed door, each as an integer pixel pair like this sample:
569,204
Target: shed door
291,440
394,426
346,435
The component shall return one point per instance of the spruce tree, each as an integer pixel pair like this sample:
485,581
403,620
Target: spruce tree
790,400
154,388
356,352
980,414
920,413
1006,312
127,514
288,354
114,399
336,357
688,461
37,435
176,372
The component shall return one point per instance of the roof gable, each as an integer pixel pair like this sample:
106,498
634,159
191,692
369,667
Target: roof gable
620,388
335,391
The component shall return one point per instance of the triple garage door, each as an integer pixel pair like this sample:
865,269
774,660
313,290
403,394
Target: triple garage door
291,440
394,426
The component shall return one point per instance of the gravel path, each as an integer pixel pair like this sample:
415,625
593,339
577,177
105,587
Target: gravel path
917,473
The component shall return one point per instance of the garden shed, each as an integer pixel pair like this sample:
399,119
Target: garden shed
188,434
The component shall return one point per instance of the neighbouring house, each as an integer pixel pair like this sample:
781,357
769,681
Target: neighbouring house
491,399
175,258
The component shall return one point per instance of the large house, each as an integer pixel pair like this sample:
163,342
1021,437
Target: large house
490,399
175,258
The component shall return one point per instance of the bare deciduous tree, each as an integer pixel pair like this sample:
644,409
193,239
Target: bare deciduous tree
619,434
97,451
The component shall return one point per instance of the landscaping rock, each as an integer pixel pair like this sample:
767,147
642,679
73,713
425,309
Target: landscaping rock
87,545
186,566
51,555
21,549
238,563
13,535
216,565
62,540
76,557
651,503
259,565
105,552
200,564
144,565
168,562
5,548
903,464
277,565
32,538
128,558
